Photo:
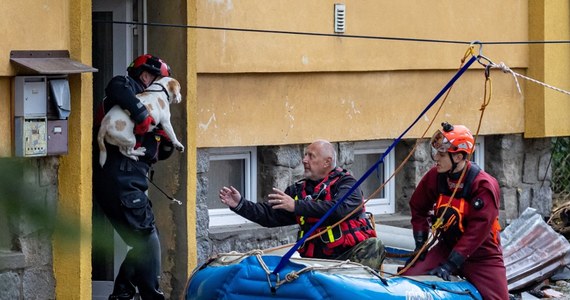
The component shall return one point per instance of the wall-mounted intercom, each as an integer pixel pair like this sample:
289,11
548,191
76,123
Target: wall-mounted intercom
42,105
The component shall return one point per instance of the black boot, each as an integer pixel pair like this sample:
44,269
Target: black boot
148,271
124,288
124,294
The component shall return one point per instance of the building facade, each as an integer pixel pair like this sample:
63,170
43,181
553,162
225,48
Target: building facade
260,82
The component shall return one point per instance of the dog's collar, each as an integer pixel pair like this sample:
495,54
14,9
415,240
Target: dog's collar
163,89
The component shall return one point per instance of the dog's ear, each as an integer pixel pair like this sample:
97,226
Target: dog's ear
174,90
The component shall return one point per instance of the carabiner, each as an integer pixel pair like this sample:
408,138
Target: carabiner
485,61
472,44
488,70
482,59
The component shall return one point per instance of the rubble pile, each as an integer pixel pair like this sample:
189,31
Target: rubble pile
537,255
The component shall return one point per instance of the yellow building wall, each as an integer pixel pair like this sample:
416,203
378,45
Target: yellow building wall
234,51
546,111
191,137
298,88
178,47
5,117
261,109
72,259
58,25
32,25
27,25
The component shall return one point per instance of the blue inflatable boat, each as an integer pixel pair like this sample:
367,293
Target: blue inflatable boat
250,276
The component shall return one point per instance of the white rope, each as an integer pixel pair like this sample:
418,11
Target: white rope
240,256
503,67
293,275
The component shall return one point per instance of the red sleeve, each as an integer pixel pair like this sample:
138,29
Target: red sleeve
478,222
423,200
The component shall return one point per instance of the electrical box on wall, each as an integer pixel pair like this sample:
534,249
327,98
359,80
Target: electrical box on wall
42,106
30,136
42,101
30,96
56,137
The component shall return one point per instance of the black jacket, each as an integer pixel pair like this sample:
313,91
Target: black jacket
264,215
122,91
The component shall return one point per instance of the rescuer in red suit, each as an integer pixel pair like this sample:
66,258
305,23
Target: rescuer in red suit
468,242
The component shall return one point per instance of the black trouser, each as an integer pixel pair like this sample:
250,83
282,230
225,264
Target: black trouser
120,188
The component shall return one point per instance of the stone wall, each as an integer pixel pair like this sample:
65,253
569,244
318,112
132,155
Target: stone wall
520,165
522,168
419,162
28,200
278,166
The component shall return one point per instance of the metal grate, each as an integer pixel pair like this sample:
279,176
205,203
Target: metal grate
339,18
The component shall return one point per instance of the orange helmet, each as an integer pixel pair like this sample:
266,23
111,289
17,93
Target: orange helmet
453,139
149,63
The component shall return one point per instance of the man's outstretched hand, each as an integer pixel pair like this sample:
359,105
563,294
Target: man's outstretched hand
230,196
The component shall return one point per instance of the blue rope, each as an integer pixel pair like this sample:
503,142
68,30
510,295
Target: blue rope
289,253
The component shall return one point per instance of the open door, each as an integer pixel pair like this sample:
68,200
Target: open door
114,46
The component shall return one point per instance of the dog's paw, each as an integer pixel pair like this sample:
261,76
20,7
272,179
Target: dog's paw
133,157
179,147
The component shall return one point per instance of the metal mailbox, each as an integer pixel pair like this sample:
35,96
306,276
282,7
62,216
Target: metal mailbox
42,106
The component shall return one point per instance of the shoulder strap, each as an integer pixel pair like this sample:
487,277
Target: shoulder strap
335,176
471,174
443,188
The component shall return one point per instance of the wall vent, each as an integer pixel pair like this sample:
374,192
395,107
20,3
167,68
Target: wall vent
339,18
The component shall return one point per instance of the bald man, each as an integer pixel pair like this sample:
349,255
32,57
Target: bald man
308,200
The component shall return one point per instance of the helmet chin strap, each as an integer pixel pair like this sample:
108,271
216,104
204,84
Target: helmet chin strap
153,78
453,163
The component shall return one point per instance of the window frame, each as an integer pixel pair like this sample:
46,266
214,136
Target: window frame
387,204
224,216
479,153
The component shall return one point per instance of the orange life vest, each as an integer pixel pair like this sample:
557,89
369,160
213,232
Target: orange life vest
452,213
337,239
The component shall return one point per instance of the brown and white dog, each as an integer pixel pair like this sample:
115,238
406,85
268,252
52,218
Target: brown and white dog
117,127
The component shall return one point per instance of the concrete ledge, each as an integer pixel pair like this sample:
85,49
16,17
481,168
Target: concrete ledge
224,232
11,260
396,220
396,237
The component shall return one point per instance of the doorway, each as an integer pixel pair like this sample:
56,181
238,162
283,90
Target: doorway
114,47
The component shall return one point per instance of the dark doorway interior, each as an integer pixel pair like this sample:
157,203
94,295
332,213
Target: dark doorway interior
103,241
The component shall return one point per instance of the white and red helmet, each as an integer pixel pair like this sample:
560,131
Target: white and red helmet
149,63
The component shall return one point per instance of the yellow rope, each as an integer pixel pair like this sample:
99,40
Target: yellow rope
437,224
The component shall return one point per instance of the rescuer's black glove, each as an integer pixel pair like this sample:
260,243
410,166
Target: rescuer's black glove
420,238
451,266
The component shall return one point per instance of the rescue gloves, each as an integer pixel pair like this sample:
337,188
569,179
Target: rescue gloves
453,263
420,237
143,127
